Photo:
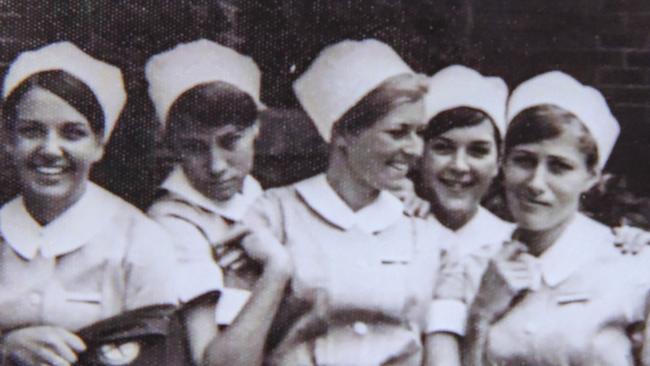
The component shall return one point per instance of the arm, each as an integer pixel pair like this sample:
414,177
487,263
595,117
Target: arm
242,343
476,339
442,349
505,278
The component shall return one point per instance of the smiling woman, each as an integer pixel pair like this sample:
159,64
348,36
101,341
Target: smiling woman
80,253
552,297
54,145
364,273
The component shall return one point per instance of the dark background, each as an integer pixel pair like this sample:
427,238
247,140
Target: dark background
605,43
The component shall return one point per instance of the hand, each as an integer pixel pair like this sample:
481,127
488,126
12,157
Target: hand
630,239
241,246
43,345
507,275
263,247
413,205
228,252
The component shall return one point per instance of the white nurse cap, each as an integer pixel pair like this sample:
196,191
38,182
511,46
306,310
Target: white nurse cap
341,76
103,79
562,90
173,72
459,86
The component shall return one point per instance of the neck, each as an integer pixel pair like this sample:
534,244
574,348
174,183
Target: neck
46,209
453,220
538,241
354,192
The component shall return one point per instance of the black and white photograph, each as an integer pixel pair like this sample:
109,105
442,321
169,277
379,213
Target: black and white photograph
325,182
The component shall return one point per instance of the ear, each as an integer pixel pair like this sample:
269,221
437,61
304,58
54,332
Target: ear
99,152
340,140
592,180
256,128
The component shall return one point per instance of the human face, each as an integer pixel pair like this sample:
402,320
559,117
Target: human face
381,155
459,165
216,159
53,146
544,181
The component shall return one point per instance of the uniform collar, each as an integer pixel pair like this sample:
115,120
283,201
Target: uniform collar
383,212
68,232
234,209
582,241
482,221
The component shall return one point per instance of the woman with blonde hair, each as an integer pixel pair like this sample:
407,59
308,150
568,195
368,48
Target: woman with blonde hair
364,272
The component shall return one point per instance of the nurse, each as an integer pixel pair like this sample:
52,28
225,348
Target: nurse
71,253
207,98
466,120
364,272
560,293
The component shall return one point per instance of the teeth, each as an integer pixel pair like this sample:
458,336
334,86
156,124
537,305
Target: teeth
49,170
399,166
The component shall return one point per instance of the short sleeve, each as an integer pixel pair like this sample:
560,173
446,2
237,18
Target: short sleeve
266,213
148,260
196,271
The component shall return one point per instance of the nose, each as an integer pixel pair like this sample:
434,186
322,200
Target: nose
459,161
413,146
218,163
52,146
537,181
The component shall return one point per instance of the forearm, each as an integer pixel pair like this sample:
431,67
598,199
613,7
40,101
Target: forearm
242,343
442,349
475,341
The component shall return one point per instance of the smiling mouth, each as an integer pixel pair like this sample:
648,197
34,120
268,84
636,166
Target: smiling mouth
457,185
50,170
399,166
533,203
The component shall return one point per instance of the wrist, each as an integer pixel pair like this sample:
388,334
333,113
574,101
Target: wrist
278,269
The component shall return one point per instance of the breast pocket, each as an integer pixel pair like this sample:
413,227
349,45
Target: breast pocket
73,309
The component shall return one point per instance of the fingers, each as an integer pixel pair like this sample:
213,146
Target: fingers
73,341
63,344
230,256
511,250
630,239
52,357
234,235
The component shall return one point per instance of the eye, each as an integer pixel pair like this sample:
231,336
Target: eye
559,167
30,130
192,147
74,131
524,161
398,133
479,150
230,141
442,147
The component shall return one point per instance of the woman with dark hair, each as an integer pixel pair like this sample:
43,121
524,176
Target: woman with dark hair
364,272
207,100
466,116
71,252
559,293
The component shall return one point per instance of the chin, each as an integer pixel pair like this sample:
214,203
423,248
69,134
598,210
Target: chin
53,192
532,222
457,204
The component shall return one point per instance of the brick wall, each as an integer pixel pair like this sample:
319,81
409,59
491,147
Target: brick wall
605,43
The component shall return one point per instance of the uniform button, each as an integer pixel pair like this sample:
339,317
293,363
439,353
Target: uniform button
360,328
35,298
